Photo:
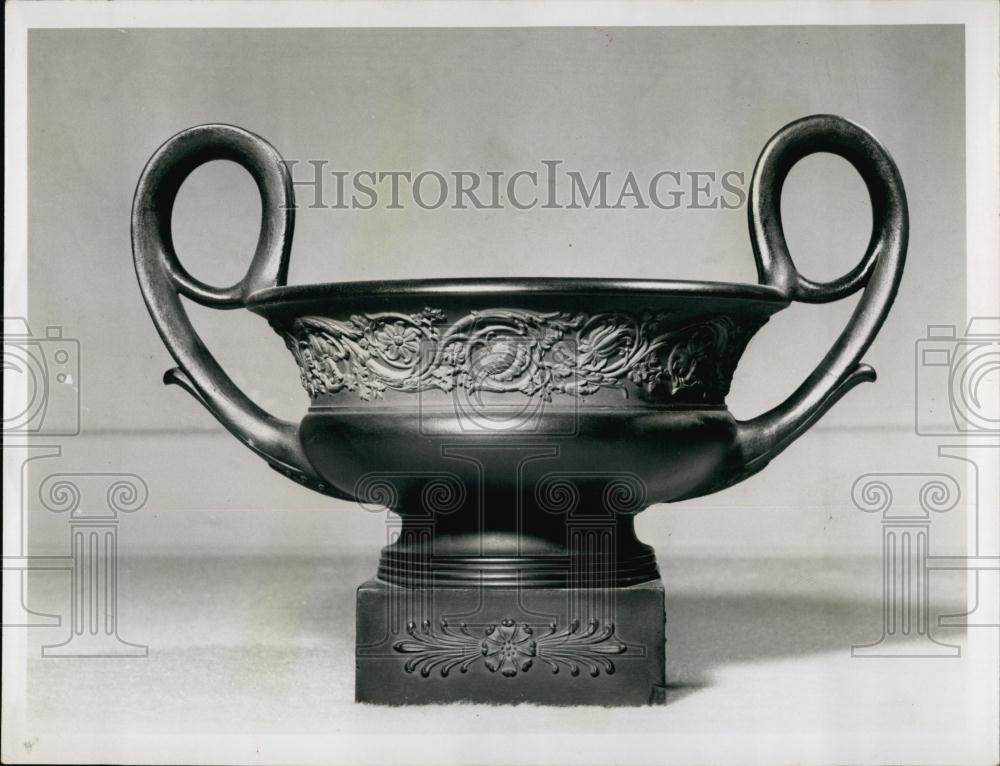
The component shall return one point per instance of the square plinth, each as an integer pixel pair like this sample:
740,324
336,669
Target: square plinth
550,646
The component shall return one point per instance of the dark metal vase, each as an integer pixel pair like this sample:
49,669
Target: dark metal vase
515,425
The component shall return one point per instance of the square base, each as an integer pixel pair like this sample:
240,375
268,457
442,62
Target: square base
550,646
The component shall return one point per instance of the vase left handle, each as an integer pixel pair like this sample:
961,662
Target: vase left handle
163,280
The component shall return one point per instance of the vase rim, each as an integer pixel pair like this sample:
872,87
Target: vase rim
507,288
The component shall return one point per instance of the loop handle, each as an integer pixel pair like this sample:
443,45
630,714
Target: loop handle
163,279
835,135
879,272
167,170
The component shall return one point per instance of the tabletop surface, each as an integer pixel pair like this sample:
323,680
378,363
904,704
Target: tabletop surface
249,660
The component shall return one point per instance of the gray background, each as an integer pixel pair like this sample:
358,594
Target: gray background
482,99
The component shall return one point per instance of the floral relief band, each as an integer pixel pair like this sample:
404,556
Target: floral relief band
516,350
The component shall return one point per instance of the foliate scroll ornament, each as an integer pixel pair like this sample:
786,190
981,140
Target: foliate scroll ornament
509,648
514,350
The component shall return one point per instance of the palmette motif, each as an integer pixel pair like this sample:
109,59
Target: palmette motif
516,350
509,647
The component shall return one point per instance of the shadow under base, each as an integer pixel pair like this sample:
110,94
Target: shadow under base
548,646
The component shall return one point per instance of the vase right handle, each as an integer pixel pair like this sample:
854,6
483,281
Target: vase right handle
878,272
